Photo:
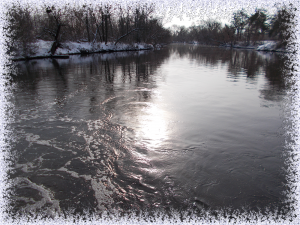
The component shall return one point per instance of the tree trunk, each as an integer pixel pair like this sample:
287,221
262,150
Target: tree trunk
55,44
136,29
54,47
106,28
102,26
87,28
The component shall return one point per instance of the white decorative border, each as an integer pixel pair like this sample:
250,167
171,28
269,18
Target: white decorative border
224,8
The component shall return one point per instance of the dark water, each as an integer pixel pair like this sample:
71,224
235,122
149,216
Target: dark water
185,127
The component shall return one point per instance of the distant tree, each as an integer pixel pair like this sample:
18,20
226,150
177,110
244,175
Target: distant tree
227,34
136,24
19,30
87,22
239,22
282,24
257,25
182,34
213,27
141,17
174,29
193,33
157,33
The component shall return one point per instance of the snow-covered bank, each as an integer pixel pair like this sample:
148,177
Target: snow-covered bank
269,46
42,48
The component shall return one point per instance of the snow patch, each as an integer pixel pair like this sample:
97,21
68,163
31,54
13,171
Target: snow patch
66,48
267,46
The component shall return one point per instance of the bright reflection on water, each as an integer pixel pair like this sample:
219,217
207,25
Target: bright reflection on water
153,128
185,127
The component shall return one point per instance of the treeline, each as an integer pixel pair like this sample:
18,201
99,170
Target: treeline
103,23
244,28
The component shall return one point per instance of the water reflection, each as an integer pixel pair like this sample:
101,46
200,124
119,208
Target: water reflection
159,129
242,63
153,127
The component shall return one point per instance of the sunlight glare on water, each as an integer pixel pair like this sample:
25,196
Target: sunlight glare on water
153,129
186,127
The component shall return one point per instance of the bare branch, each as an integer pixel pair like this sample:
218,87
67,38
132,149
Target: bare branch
135,29
49,31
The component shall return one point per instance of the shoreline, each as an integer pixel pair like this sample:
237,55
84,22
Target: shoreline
257,49
84,48
67,56
268,46
80,48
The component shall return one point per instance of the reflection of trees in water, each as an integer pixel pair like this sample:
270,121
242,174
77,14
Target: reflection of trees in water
29,77
98,78
241,63
135,69
101,79
238,60
246,61
204,55
275,70
275,73
143,66
109,72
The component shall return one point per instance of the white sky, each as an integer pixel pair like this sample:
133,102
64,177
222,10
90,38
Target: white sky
193,11
185,21
190,11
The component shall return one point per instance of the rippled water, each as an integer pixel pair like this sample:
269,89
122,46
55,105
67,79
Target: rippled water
185,127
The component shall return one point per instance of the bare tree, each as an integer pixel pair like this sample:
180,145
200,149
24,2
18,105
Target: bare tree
282,24
19,30
53,27
105,22
239,21
256,26
227,34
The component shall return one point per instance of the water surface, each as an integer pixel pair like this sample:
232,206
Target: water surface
184,127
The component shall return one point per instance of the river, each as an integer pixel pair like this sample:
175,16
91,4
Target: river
186,127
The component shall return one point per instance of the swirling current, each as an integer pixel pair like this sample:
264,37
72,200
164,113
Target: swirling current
184,127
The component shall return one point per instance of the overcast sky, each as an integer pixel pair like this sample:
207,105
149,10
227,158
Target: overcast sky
195,11
182,13
185,21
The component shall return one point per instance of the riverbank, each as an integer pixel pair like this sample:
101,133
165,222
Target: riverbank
42,48
268,46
